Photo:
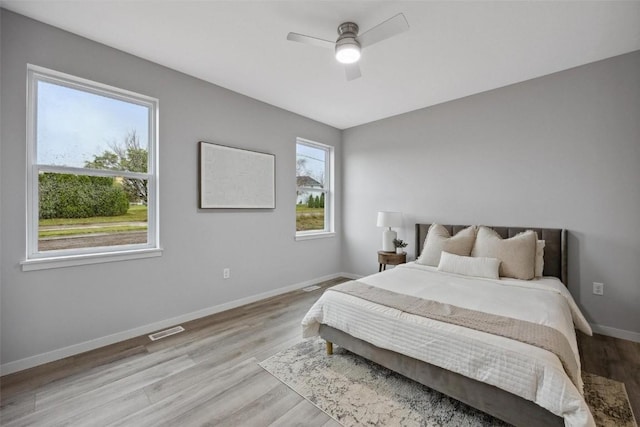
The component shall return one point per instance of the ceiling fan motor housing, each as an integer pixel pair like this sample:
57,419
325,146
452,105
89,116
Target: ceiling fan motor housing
348,29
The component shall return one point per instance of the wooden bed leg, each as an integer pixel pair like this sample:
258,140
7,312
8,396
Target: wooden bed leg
329,348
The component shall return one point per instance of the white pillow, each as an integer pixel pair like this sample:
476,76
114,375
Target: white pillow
518,253
438,239
469,266
539,257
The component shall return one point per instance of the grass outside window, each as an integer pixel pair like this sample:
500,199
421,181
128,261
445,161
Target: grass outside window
308,219
63,233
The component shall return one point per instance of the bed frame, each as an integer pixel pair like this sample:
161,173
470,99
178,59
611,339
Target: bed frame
487,398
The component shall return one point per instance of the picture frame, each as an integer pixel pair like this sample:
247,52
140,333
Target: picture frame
235,178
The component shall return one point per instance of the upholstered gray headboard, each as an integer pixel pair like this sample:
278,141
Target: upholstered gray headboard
555,248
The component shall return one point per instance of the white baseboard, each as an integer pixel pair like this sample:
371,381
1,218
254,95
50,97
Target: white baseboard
615,333
61,353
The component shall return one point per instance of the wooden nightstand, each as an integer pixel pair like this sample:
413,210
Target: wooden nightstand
390,258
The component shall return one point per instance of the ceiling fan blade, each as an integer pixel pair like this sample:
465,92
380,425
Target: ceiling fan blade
301,38
389,28
352,71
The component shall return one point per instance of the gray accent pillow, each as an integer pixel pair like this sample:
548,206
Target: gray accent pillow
518,253
438,239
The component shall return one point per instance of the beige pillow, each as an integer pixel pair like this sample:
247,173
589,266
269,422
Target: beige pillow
438,240
540,244
468,266
518,254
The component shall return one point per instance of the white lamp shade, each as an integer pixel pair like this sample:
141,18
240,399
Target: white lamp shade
389,219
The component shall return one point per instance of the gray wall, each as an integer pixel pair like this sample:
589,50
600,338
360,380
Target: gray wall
51,309
558,151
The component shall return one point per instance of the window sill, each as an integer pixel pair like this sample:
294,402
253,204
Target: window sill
73,260
315,235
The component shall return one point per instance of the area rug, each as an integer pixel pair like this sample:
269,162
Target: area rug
355,392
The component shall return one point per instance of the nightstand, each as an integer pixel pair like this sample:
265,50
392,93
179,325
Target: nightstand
390,258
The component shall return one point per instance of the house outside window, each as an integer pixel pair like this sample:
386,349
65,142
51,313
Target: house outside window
314,189
91,174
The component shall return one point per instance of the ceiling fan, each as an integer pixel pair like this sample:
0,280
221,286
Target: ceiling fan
349,44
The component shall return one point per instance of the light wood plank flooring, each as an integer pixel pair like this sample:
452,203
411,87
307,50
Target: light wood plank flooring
208,375
616,359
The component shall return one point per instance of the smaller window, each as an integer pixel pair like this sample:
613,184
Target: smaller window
314,189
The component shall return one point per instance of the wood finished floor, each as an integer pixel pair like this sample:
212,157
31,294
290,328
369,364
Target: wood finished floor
208,375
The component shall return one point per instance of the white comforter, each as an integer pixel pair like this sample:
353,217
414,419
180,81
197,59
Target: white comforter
527,371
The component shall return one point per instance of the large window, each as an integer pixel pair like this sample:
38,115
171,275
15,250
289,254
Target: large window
92,171
314,177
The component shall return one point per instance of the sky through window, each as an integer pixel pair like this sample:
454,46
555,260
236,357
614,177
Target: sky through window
73,125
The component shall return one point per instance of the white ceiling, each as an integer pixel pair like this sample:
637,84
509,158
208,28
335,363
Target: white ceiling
452,49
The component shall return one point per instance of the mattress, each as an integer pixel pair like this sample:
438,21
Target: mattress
529,372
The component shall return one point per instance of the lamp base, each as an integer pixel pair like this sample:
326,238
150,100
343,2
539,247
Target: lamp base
387,240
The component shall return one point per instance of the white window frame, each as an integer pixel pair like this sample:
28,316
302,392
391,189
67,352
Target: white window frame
37,260
328,190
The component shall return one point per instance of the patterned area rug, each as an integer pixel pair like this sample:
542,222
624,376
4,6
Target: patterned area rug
355,391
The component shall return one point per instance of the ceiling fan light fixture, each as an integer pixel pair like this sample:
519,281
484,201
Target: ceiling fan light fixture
347,51
349,44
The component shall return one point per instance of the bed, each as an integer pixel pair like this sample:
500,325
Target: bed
511,380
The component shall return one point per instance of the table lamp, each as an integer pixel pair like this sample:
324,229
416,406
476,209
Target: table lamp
389,219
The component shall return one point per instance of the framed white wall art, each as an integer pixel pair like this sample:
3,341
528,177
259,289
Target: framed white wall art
234,178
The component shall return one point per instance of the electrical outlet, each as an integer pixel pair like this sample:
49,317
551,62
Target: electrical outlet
226,273
598,288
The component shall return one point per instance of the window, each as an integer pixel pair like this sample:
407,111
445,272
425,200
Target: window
314,190
92,172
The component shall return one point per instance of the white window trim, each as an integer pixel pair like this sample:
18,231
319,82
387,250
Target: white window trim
35,260
328,189
94,258
312,235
